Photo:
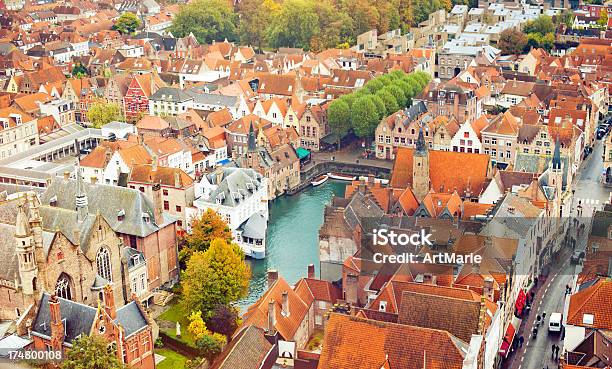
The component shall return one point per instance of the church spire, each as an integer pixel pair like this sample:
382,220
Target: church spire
81,196
22,228
556,160
421,148
252,143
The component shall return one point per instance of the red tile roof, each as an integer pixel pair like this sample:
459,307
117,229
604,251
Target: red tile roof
595,300
352,342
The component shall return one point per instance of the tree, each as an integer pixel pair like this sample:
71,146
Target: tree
218,275
397,94
364,117
512,42
101,113
295,25
391,105
408,89
91,352
209,343
255,16
374,85
603,18
79,70
204,230
208,20
339,118
542,25
565,17
380,106
224,320
127,23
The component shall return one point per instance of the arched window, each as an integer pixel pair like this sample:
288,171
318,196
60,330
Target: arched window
103,263
63,287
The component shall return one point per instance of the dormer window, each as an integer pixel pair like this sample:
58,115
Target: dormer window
146,218
121,215
53,201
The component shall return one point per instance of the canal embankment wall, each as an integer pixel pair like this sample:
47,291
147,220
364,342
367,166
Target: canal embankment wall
355,169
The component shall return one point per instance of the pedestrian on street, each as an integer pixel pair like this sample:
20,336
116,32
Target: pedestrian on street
544,316
521,339
535,281
553,350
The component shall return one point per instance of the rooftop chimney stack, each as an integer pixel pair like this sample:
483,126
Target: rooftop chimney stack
311,271
272,277
57,326
285,310
271,318
158,204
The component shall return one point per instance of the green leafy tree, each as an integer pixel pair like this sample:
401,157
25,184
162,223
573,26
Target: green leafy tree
79,70
374,85
295,25
218,275
391,105
91,352
603,18
380,106
204,230
512,42
397,94
209,343
542,25
101,113
255,16
565,17
127,23
408,89
339,118
364,117
208,20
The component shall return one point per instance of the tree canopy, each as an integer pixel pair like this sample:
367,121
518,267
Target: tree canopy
512,42
338,117
127,23
101,113
218,275
208,20
90,352
204,230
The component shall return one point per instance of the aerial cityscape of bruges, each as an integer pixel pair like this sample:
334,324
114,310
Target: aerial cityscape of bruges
305,184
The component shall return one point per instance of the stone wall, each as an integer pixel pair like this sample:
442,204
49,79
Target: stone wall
356,169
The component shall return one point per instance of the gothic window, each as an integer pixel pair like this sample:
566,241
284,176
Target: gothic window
103,263
63,287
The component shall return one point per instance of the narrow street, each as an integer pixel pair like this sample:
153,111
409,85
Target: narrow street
536,353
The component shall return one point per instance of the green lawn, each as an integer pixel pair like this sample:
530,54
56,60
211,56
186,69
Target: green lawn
176,314
173,360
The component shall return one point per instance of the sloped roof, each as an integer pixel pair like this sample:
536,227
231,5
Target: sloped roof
166,176
595,300
79,318
367,344
248,349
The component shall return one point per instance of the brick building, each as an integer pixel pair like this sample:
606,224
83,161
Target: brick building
127,329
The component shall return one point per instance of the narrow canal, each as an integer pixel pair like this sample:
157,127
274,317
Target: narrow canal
293,237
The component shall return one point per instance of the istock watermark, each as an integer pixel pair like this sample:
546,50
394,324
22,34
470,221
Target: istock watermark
383,237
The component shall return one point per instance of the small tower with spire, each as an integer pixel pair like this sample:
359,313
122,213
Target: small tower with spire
81,197
25,248
251,154
420,168
555,168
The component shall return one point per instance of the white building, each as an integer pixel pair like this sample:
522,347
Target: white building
169,101
19,132
119,129
239,195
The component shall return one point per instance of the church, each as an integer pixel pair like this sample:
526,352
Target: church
72,254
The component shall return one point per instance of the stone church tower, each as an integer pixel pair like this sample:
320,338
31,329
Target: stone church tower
251,154
25,249
420,168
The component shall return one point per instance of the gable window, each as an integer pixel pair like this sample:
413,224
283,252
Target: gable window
103,264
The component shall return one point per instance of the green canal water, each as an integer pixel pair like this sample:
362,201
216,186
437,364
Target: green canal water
293,237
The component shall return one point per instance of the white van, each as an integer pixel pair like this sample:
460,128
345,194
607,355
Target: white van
554,322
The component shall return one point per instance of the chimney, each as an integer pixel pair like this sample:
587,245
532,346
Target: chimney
350,292
311,271
94,180
154,163
272,277
57,326
610,266
158,205
487,289
109,302
285,311
482,316
177,178
218,174
66,175
271,318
